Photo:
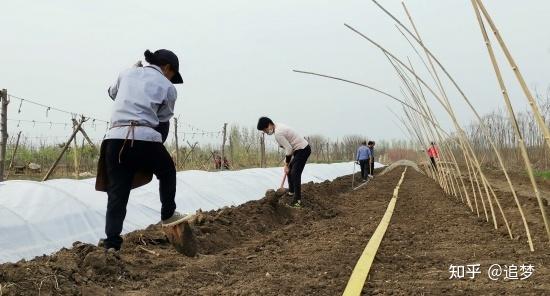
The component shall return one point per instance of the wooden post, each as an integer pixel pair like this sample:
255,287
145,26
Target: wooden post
81,130
262,151
50,171
13,155
177,145
223,143
75,152
191,150
3,130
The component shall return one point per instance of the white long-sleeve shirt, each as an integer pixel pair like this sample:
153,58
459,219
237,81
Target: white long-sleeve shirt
289,139
145,95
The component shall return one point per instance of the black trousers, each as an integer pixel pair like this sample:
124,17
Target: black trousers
372,167
142,155
364,165
296,167
433,163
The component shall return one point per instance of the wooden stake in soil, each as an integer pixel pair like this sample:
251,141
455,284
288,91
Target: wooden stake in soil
176,142
13,154
75,152
3,130
223,145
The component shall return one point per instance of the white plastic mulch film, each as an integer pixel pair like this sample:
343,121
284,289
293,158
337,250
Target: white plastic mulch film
41,217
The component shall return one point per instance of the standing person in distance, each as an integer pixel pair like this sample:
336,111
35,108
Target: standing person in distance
433,154
371,148
363,159
297,151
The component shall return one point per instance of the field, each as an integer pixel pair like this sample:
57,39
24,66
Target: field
471,189
266,248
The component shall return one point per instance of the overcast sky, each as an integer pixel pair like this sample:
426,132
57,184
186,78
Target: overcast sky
236,57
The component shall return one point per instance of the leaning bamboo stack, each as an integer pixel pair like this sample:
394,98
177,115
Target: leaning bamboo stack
467,183
478,6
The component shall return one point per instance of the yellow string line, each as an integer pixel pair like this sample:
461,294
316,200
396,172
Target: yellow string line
361,271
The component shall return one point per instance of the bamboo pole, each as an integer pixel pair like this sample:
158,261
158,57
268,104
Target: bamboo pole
513,119
444,182
461,132
441,177
463,95
479,190
416,98
421,101
445,158
471,183
444,95
439,84
449,111
371,88
534,107
464,149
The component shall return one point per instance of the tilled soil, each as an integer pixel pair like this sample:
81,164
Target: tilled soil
259,248
429,232
266,248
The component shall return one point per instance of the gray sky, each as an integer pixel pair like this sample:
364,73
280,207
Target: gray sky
236,57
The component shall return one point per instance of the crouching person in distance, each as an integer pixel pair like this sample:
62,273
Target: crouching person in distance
297,151
132,150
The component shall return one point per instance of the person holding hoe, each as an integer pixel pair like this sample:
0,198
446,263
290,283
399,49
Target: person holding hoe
364,160
132,149
297,151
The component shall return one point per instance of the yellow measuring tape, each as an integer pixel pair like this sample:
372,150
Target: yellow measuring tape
362,268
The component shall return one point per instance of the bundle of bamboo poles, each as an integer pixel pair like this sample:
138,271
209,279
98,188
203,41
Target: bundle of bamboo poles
423,126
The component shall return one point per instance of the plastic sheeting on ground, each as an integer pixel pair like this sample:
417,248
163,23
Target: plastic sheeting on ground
41,217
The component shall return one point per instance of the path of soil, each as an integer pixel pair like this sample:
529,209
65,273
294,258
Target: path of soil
266,248
429,232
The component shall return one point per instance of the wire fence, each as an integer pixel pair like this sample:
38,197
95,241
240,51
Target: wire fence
39,133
